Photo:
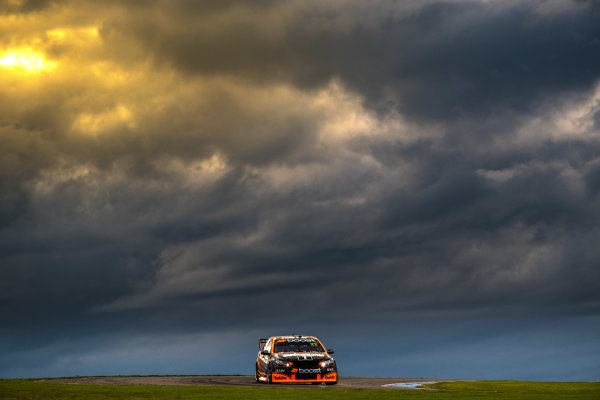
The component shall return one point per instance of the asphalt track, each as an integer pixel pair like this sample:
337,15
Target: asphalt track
235,380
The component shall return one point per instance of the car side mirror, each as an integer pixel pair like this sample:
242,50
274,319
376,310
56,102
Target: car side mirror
265,352
330,351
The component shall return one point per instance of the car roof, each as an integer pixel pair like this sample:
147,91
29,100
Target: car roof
288,337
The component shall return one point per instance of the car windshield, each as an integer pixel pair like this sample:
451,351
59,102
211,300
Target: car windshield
287,346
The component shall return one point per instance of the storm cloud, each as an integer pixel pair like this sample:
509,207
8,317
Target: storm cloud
210,172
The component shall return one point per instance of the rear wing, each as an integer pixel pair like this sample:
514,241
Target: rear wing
261,343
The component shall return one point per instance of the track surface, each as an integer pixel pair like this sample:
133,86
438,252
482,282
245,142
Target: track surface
233,380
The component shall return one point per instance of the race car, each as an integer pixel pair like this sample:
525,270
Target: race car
295,358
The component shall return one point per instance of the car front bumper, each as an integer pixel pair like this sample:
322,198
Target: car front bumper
293,377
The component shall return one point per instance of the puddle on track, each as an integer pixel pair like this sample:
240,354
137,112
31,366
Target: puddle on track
409,385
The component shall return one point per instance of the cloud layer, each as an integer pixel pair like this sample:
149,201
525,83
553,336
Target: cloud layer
182,167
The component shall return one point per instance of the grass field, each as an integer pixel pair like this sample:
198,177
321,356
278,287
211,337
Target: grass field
27,389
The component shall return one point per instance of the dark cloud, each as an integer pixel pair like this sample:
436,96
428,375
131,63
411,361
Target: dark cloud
431,165
26,6
592,180
444,60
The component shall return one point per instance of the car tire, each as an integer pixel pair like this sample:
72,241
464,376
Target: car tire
269,377
331,383
256,375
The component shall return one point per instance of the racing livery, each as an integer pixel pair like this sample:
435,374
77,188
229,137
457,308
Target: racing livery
295,358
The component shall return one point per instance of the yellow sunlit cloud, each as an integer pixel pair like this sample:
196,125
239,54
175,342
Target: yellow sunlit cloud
97,123
82,34
25,59
57,34
111,74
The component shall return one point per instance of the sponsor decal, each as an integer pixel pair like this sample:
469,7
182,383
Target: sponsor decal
309,370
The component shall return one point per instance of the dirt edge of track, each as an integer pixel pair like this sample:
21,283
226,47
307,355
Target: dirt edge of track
231,380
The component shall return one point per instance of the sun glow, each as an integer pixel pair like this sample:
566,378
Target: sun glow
25,59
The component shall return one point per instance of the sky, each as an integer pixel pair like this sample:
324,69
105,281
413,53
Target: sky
417,183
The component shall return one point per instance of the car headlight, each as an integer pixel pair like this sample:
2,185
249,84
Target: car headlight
328,363
282,363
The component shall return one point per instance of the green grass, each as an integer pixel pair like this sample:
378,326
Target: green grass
520,390
27,389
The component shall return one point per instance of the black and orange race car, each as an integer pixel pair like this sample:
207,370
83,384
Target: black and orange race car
295,358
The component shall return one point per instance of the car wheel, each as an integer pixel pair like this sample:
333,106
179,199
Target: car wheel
269,377
256,375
